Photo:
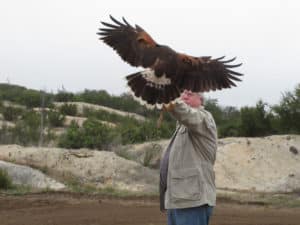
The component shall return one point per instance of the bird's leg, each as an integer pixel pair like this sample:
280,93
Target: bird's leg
161,116
165,108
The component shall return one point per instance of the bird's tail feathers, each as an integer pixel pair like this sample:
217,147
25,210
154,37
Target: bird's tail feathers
152,91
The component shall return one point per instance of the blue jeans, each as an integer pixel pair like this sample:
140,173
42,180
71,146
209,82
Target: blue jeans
190,216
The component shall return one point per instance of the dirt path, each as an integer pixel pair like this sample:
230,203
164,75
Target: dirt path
70,209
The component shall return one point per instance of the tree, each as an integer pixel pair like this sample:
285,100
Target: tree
288,112
255,121
64,96
227,118
68,109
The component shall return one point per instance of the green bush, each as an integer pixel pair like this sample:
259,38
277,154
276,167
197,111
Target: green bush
27,130
229,129
73,138
68,109
107,116
63,96
97,135
55,118
5,180
144,131
11,113
32,98
6,136
93,134
11,93
288,112
255,121
123,102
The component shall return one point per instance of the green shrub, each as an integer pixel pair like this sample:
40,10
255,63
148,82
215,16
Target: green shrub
73,138
11,93
97,135
107,116
63,96
27,131
55,118
93,134
130,133
5,180
144,131
68,109
6,136
288,112
255,121
11,113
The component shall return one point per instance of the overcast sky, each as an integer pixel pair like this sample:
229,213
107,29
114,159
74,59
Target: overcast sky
50,44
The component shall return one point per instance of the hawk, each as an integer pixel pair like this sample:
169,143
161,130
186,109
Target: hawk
167,72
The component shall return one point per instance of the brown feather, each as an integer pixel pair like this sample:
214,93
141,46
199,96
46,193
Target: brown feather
135,46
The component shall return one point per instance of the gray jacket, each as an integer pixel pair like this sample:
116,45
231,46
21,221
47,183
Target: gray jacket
191,177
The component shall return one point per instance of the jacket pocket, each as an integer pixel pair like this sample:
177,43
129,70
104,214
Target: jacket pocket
186,184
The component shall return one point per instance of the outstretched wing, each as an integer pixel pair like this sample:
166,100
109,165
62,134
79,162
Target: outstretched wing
201,74
133,44
169,72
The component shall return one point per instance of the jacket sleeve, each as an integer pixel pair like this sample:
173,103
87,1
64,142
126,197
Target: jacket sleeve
190,117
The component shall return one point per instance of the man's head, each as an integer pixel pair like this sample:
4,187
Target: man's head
192,99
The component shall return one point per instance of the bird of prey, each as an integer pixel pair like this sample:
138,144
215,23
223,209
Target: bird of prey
167,72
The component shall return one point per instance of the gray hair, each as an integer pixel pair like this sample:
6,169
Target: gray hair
201,95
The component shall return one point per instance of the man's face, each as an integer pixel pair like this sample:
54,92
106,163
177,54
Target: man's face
192,99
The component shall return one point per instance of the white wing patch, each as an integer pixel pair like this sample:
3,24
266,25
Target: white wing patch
158,82
149,79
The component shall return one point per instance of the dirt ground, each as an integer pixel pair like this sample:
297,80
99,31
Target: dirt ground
76,209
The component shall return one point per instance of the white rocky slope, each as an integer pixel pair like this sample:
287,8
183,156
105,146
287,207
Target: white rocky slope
97,168
26,176
270,164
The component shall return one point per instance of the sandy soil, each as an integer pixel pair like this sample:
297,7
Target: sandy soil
76,209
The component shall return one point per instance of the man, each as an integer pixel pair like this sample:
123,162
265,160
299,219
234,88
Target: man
187,179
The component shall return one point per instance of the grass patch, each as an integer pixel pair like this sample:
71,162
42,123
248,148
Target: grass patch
270,199
288,200
17,190
75,185
113,192
5,180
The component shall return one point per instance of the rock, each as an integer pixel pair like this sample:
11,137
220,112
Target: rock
263,165
97,168
24,175
146,154
294,150
248,142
